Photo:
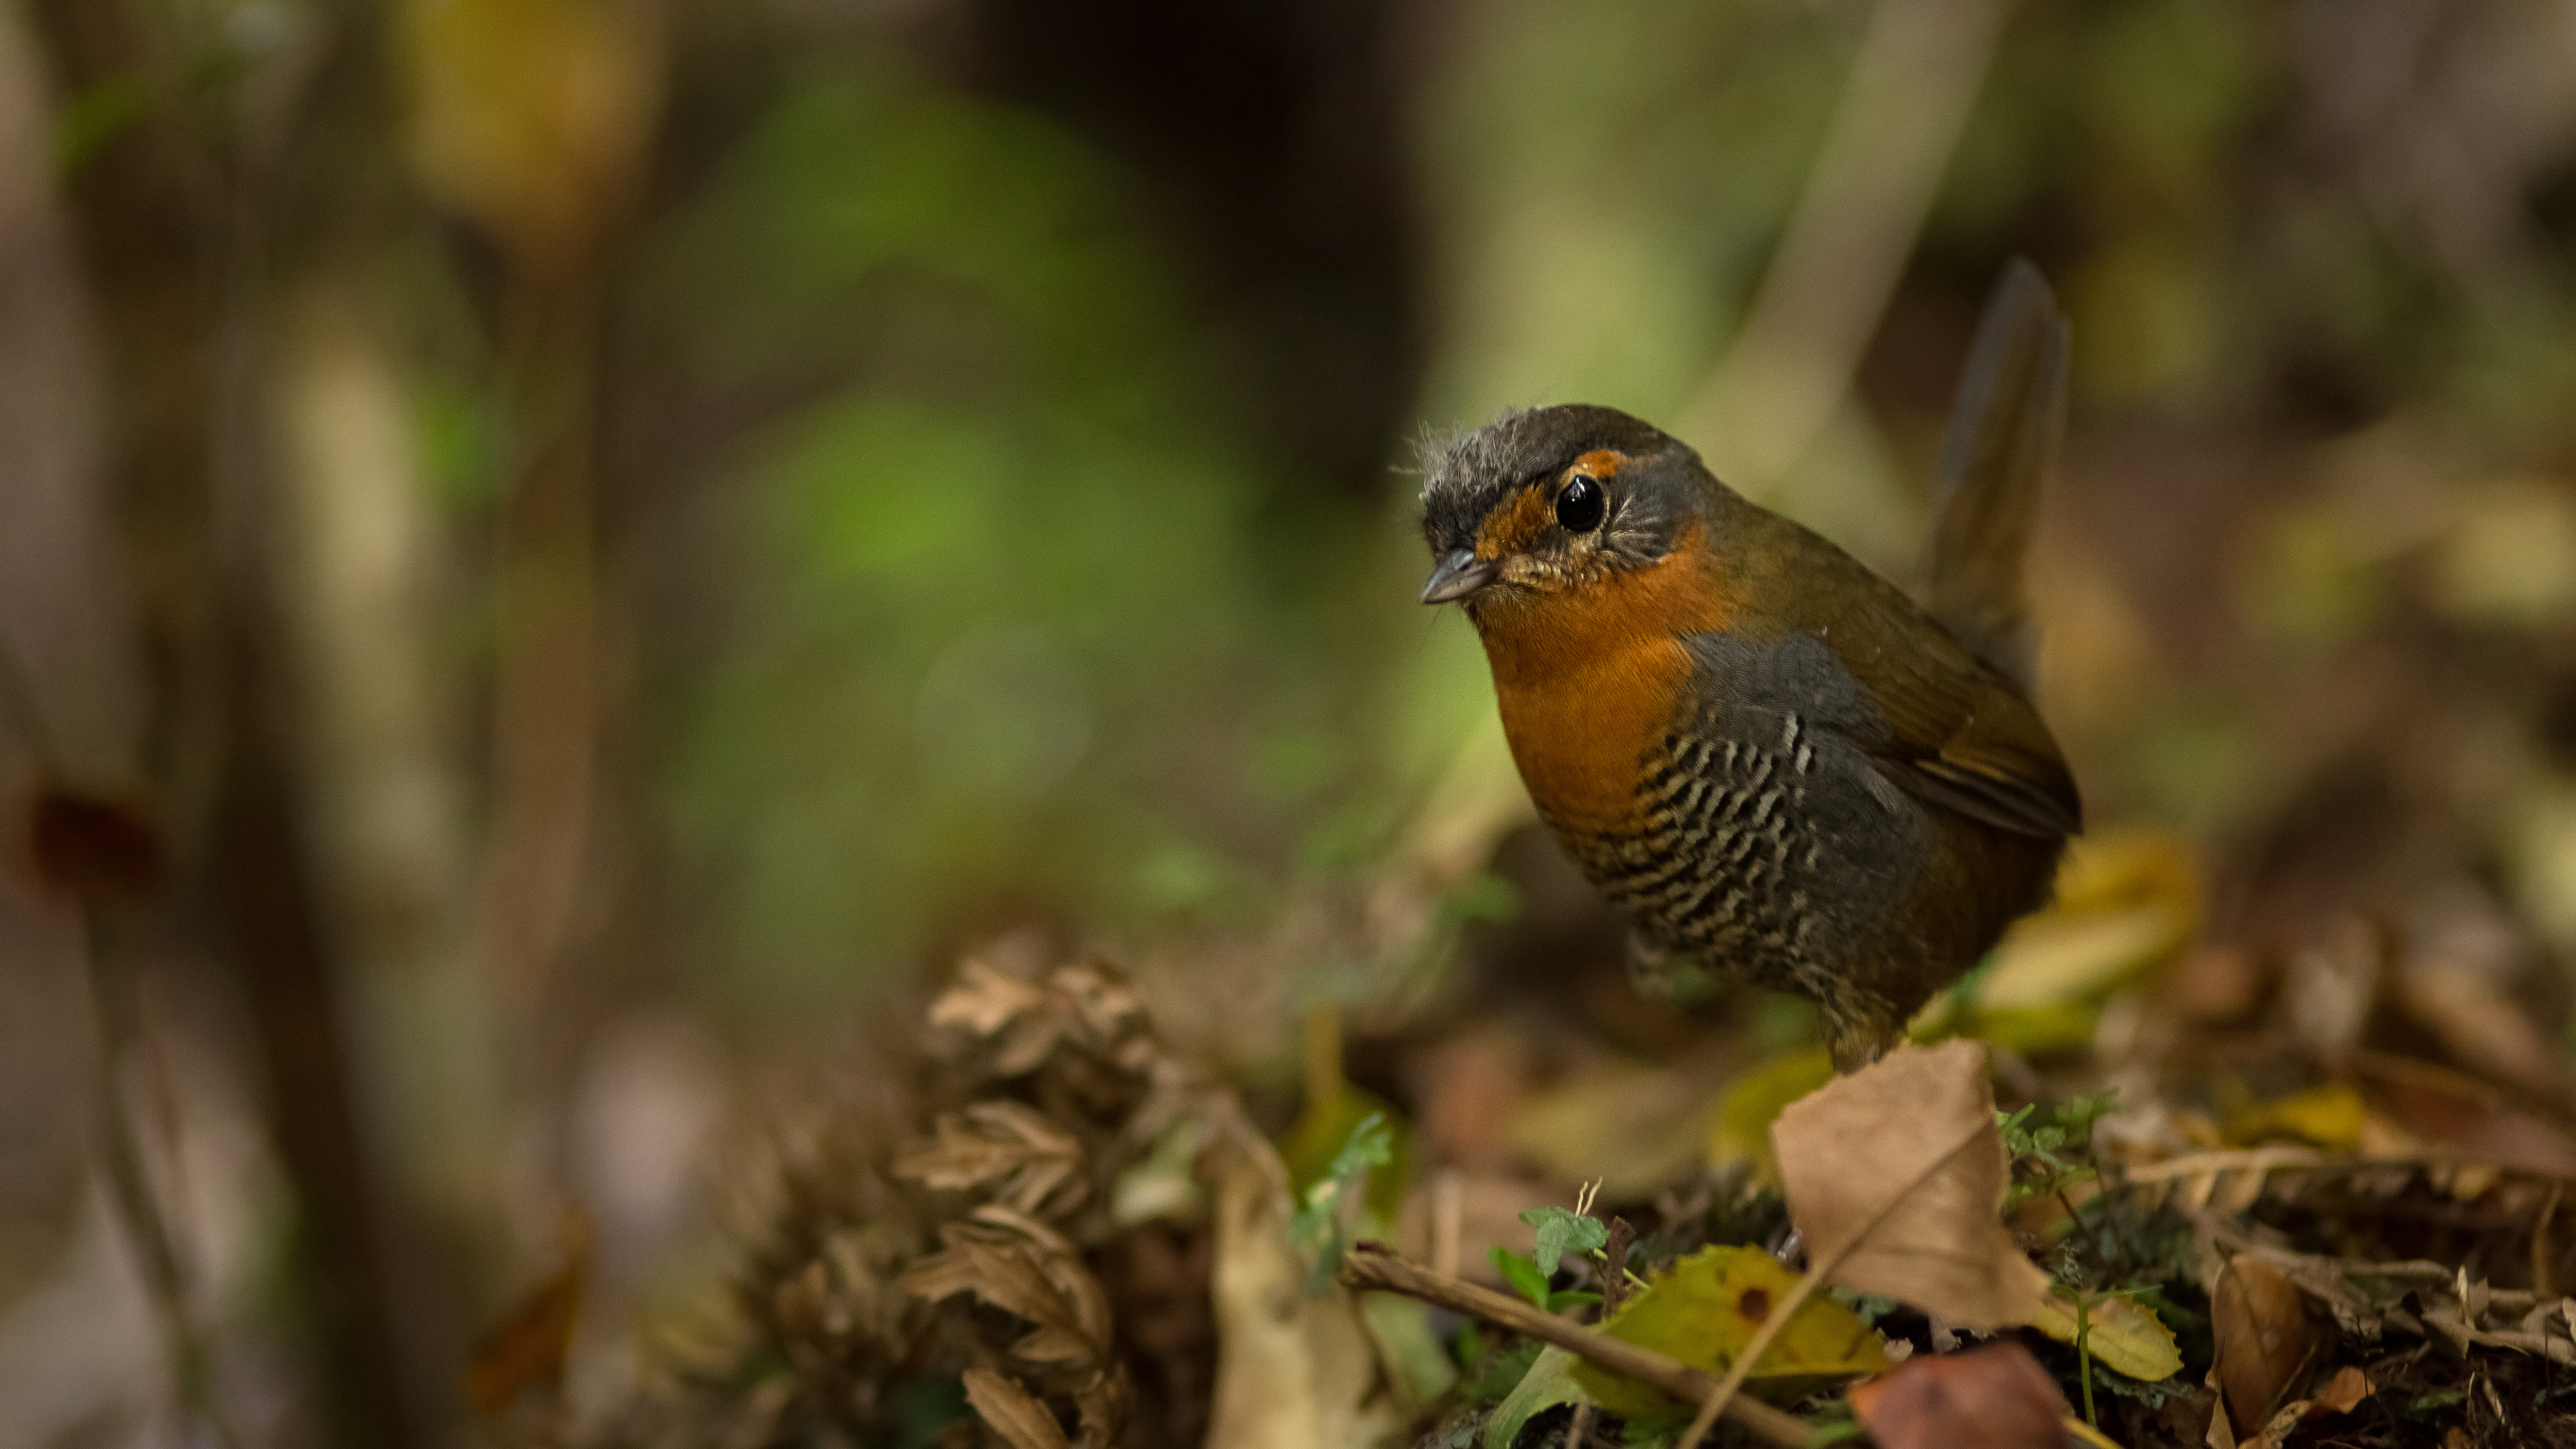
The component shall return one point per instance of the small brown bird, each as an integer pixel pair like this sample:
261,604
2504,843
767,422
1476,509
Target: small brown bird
1770,758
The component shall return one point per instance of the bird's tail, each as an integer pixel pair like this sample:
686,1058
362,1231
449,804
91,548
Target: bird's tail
2002,447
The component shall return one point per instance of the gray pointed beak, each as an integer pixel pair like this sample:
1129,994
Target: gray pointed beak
1460,573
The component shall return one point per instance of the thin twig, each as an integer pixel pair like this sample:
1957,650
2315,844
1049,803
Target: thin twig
1614,1266
2543,1276
1374,1267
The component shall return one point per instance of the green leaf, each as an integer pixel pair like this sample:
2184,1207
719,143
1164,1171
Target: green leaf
1561,1232
1549,1382
1522,1274
1415,1363
1316,1228
1494,1375
1371,1144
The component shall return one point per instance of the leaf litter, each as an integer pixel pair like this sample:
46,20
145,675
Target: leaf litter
2328,1209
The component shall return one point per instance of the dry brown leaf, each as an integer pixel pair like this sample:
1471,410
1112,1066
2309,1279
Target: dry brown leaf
1012,1412
1293,1372
1895,1175
1996,1397
2482,1028
2265,1340
1001,1276
1061,1262
529,1347
988,1002
2348,1389
984,1000
1025,1159
2465,1119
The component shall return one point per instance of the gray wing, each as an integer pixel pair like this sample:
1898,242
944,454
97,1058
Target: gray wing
1781,842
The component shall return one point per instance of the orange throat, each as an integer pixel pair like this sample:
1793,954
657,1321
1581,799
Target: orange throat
1590,680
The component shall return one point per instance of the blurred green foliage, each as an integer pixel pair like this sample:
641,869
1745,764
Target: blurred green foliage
1006,611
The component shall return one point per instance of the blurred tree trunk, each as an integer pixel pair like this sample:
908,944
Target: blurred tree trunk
175,233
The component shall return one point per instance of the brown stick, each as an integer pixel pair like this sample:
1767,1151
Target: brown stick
1371,1266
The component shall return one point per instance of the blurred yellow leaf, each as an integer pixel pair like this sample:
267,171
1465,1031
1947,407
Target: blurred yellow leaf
2511,556
2122,1333
2061,1026
2125,903
2330,1116
1709,1306
533,117
1632,1128
1741,1131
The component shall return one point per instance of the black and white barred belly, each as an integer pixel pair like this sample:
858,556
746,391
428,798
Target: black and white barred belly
1761,845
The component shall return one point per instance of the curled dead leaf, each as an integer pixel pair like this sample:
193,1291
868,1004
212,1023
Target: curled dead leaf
1026,1161
1896,1176
1293,1370
2265,1340
2347,1390
1012,1412
984,999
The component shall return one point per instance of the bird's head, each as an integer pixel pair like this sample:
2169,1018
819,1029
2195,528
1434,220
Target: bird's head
1552,502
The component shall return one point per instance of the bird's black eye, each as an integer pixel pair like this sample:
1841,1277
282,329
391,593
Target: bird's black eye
1580,506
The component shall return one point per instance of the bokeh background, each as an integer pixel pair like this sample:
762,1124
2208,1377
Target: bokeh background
560,558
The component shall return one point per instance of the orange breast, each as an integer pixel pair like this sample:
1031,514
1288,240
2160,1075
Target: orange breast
1589,680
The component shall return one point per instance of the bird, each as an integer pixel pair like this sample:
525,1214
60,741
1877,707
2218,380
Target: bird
1779,765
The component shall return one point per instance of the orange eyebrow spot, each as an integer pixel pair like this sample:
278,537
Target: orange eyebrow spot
1507,530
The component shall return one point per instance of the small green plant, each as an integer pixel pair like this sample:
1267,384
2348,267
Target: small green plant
1318,1227
1562,1233
2084,1302
2045,1142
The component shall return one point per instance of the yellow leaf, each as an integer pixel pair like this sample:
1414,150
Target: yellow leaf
1709,1306
1742,1129
2030,1030
2125,903
2122,1334
532,117
2330,1116
1631,1127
